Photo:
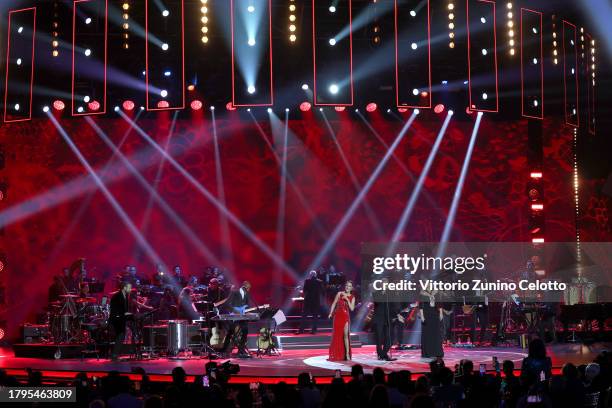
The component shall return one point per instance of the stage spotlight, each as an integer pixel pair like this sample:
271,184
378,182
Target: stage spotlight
58,105
439,108
165,13
286,109
417,111
116,109
17,106
388,110
167,73
191,87
251,42
413,46
402,110
269,110
424,94
86,99
212,108
305,87
230,106
332,9
45,109
163,104
332,41
87,52
165,46
248,109
251,9
340,108
333,89
251,89
80,109
196,105
20,30
451,112
18,61
163,93
371,107
320,109
305,106
483,20
485,96
128,105
93,106
412,13
484,51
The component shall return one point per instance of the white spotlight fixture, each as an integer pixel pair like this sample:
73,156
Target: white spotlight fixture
165,47
305,87
116,109
535,30
388,110
286,109
248,109
87,52
251,89
451,112
415,92
20,30
332,9
17,106
333,89
251,42
485,96
332,41
165,13
269,110
412,13
80,109
484,51
535,61
413,46
88,20
212,108
320,109
535,103
251,9
167,73
45,109
416,111
163,93
18,61
483,20
86,99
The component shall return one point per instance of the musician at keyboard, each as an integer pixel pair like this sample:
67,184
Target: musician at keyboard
238,302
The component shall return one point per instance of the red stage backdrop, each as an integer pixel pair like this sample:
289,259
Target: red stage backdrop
54,213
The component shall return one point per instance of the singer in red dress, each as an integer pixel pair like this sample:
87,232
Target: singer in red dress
344,303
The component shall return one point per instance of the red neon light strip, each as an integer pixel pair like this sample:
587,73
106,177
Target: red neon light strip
103,104
590,88
541,116
314,55
472,106
182,85
233,59
397,102
567,122
8,53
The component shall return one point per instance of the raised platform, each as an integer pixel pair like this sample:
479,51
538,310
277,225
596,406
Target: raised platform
292,362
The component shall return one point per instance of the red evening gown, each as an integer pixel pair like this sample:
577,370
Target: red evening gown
342,317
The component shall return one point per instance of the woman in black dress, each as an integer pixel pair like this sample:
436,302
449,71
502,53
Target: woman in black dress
431,326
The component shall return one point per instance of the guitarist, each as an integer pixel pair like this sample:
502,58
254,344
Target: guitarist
238,301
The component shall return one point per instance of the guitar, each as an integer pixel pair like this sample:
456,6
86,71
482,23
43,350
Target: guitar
245,309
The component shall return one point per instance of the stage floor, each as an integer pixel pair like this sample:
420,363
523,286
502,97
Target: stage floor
292,362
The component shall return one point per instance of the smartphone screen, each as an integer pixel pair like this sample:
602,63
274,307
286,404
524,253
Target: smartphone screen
483,369
205,381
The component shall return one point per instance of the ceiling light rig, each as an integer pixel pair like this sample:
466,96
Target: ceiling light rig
125,26
451,24
555,42
292,21
511,30
55,30
204,21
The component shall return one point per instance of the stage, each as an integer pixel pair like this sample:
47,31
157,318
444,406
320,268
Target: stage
292,362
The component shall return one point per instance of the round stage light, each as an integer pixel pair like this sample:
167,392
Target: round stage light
412,13
87,52
451,112
18,61
485,96
269,110
340,108
165,13
333,89
424,94
212,108
163,93
417,111
80,109
93,105
165,47
88,20
58,105
305,106
191,87
230,106
305,87
251,89
371,107
45,109
402,110
413,46
332,9
439,108
128,105
251,9
332,41
196,105
163,104
415,92
251,42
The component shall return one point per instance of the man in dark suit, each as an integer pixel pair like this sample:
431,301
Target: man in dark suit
313,289
240,299
119,313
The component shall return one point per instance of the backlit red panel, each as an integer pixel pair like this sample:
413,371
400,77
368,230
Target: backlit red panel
570,74
532,65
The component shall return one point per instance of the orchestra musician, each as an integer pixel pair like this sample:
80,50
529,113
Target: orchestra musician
119,314
313,289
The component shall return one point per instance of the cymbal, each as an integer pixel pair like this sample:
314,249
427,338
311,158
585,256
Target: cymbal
69,295
86,300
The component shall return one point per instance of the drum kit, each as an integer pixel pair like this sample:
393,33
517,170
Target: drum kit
74,319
